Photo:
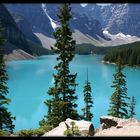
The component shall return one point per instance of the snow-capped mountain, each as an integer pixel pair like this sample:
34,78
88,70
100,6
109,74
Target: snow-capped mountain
43,18
122,17
79,22
99,25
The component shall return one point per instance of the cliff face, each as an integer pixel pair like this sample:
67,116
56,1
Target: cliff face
116,18
35,16
125,18
12,33
89,27
25,27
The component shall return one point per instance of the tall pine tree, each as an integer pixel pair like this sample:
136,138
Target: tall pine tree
6,119
132,107
62,104
118,107
87,115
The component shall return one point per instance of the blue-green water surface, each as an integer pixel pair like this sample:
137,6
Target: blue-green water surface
29,81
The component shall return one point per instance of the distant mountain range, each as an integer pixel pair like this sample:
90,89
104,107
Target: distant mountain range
110,25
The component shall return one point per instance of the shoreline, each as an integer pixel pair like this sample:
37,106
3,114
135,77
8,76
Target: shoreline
112,63
36,57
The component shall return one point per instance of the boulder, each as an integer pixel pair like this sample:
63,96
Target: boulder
113,126
108,121
85,128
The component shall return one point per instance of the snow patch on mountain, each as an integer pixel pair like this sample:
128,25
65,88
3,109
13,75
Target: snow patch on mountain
52,22
121,35
118,36
83,4
117,39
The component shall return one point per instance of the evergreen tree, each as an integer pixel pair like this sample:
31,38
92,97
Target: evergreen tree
118,107
132,107
63,95
87,115
6,119
130,54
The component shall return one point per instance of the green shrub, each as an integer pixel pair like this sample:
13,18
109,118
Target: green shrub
38,132
34,132
68,132
46,128
25,133
4,133
42,130
72,131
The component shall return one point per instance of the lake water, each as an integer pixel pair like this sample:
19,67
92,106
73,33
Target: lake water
29,82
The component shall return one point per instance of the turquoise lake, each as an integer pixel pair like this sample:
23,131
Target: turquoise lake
29,81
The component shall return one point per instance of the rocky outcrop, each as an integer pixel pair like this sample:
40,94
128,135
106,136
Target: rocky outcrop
108,121
112,126
85,128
